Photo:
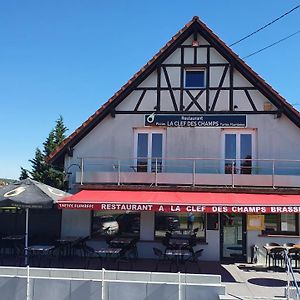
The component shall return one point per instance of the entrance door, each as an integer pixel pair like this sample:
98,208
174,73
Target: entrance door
233,237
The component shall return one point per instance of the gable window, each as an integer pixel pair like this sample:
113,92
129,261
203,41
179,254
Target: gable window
149,149
195,78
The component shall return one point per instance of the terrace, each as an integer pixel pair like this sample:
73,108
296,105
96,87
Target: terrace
266,173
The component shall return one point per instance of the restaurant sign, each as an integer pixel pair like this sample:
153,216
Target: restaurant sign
207,121
180,208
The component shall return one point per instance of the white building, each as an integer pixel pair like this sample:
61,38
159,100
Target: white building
196,129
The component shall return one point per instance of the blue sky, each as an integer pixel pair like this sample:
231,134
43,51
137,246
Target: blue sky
68,57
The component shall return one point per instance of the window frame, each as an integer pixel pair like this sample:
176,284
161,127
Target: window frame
149,132
199,239
98,236
238,133
195,70
280,232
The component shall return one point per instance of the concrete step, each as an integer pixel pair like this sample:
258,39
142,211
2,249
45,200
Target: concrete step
227,297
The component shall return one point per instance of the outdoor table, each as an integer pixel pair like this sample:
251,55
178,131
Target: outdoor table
121,242
181,236
17,237
177,255
186,231
14,241
40,250
108,252
68,241
178,243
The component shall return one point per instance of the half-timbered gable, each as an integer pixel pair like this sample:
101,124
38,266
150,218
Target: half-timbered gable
224,88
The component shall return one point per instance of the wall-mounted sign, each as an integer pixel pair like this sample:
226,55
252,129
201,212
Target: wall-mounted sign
224,121
179,208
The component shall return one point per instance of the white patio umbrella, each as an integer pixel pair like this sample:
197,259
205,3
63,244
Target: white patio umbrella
29,194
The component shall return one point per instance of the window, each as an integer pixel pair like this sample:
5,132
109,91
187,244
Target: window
109,223
281,224
239,150
194,78
180,222
149,151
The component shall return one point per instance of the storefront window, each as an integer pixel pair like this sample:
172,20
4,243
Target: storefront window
108,223
184,223
281,224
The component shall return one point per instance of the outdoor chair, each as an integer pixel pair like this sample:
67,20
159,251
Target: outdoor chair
132,249
92,260
194,258
277,256
166,243
108,238
79,248
168,235
192,242
195,231
161,258
267,254
294,255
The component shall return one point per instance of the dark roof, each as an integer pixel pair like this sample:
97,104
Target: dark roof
194,25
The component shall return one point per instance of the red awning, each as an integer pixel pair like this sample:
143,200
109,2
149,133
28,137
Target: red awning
181,201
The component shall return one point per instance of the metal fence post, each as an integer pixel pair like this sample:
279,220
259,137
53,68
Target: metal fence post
102,288
179,286
155,171
273,174
81,175
119,172
194,172
27,284
232,173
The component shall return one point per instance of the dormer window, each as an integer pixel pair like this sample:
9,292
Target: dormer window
195,78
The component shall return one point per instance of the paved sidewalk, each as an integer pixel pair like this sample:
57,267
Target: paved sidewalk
256,282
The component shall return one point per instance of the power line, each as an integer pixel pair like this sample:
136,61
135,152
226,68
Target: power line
265,26
258,51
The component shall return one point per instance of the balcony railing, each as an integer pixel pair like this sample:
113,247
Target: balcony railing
189,171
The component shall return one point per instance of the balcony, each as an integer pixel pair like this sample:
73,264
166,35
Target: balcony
193,172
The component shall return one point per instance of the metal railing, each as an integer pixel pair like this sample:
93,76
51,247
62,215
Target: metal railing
192,167
291,277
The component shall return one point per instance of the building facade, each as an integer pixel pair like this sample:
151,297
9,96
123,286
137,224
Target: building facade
195,120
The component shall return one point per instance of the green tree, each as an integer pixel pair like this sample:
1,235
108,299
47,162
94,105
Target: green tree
24,174
59,131
42,171
38,166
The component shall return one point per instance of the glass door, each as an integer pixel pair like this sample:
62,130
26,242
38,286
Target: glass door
149,151
233,237
238,152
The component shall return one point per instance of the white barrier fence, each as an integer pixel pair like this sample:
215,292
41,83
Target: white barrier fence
60,284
